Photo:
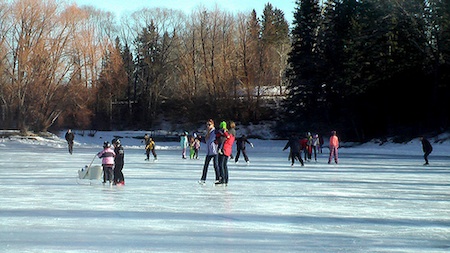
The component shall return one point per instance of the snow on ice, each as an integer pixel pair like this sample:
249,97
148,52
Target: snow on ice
377,199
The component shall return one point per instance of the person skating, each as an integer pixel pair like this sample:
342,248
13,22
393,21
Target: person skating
240,146
150,147
191,147
107,155
334,145
196,146
427,149
315,145
211,153
119,161
294,145
70,136
232,131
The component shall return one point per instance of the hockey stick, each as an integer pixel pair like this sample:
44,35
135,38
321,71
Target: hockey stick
91,162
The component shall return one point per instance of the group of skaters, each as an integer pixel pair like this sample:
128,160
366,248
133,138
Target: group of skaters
219,143
309,145
191,142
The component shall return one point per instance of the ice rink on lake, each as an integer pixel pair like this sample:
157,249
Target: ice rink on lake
377,199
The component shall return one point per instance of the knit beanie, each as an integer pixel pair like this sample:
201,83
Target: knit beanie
223,125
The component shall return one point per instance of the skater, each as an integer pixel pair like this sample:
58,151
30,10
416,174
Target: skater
150,147
107,155
334,145
294,145
225,140
191,147
315,145
304,147
232,131
118,162
196,146
321,142
240,146
70,136
427,149
309,145
211,153
184,144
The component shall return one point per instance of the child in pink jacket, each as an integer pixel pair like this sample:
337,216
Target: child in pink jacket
107,155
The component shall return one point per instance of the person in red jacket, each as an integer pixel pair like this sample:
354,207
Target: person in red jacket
227,141
334,145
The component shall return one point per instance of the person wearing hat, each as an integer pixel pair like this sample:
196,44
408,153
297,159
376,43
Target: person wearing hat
107,155
225,143
118,162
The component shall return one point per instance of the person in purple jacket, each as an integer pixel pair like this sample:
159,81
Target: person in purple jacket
107,155
211,153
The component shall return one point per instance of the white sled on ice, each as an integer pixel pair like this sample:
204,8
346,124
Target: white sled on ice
89,174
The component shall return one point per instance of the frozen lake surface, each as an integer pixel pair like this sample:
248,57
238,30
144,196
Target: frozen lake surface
377,199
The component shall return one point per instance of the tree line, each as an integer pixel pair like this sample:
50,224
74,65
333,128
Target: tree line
370,68
363,67
69,66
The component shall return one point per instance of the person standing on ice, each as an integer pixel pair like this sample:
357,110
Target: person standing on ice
70,136
334,145
118,162
184,143
315,145
211,153
427,149
226,139
294,145
107,155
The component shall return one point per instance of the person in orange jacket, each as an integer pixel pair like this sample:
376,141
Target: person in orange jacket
334,145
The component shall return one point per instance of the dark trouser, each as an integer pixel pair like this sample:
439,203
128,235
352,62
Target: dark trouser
314,149
70,147
216,166
107,172
196,153
147,152
296,155
425,156
223,165
118,175
244,153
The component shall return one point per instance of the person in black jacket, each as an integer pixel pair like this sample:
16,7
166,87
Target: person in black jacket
294,144
240,145
118,163
427,149
70,136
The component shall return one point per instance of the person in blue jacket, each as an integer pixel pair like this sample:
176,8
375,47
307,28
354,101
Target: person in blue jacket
211,153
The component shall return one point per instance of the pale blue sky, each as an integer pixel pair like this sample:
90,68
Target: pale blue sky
128,6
